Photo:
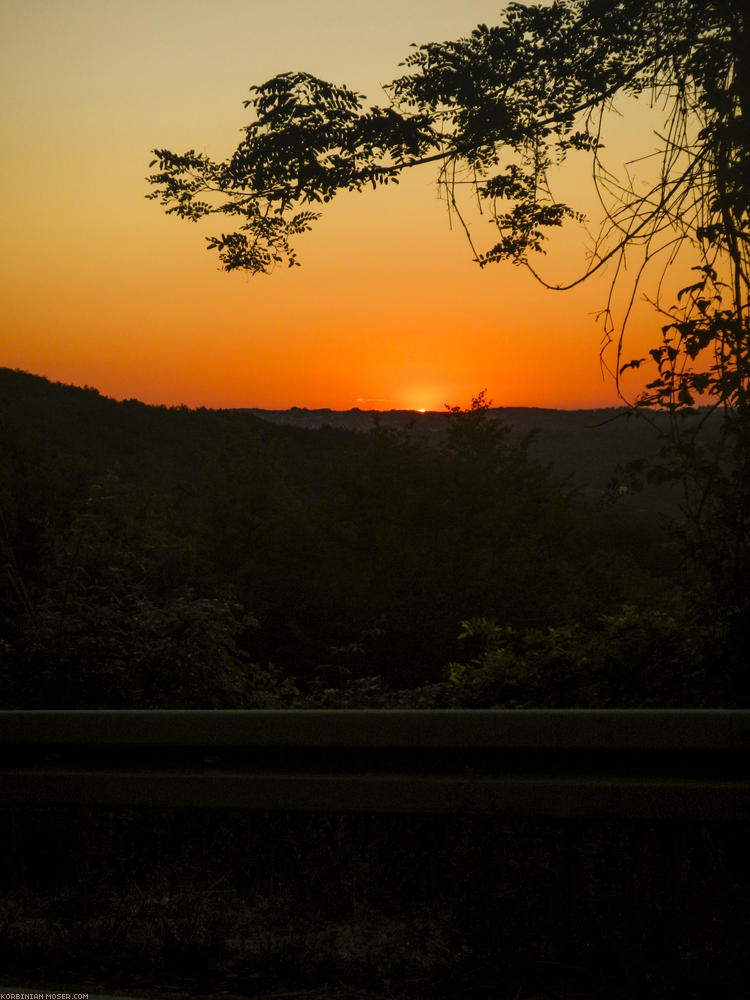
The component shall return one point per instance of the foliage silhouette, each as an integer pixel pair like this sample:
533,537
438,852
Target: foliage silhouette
498,111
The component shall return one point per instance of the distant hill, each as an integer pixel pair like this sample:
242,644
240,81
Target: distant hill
521,418
585,446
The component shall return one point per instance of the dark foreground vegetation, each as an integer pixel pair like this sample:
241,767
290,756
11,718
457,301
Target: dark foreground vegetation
168,558
171,558
373,907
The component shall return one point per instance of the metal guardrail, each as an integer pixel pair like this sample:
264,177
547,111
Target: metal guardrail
658,764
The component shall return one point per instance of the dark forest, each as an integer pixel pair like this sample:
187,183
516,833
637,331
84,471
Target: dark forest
168,558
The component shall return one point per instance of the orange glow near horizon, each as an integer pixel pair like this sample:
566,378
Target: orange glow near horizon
387,311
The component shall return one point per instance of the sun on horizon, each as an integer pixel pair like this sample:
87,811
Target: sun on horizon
101,288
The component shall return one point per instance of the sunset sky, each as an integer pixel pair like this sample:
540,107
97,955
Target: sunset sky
99,287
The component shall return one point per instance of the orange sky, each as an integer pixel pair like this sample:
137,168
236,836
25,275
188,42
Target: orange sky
388,310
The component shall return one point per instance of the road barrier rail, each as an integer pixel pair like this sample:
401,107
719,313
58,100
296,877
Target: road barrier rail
650,764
